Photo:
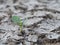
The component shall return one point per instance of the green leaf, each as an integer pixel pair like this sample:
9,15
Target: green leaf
16,19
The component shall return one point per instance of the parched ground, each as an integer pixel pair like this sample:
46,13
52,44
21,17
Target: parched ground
41,24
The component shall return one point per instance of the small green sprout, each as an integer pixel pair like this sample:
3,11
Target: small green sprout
18,21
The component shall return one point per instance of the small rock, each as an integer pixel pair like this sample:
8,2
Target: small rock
20,44
6,26
11,43
27,43
53,36
32,38
39,13
5,19
30,22
17,37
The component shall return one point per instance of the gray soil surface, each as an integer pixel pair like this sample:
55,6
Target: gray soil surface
41,24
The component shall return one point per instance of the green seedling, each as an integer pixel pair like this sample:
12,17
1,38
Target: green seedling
18,21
